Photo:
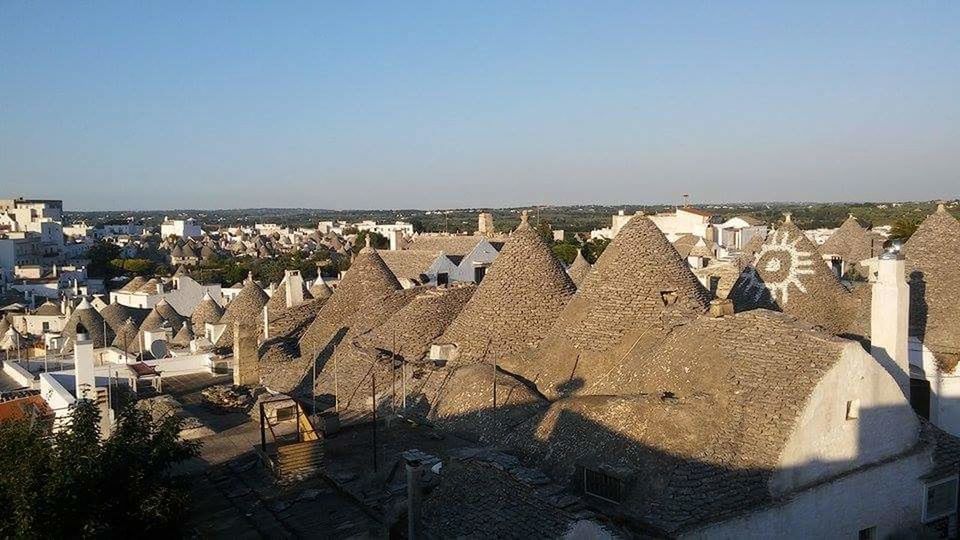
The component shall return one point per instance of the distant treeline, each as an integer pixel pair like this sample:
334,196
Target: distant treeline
568,218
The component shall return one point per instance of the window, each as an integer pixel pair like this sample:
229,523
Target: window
602,485
714,285
443,278
46,327
479,273
286,413
870,533
940,499
669,298
853,409
920,397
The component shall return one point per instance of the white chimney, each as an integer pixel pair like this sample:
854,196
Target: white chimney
294,288
86,384
395,236
889,319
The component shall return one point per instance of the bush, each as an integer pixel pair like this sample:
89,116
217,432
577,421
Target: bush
73,484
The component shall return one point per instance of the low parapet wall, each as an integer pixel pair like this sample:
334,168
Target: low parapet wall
18,373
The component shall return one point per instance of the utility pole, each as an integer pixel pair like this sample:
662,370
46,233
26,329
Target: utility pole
373,390
494,382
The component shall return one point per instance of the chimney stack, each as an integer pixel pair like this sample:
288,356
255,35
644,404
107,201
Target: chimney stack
86,384
395,236
294,288
889,318
246,368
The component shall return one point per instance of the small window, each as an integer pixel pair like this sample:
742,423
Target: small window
940,499
920,397
479,273
669,298
286,413
714,285
870,533
853,409
602,485
443,278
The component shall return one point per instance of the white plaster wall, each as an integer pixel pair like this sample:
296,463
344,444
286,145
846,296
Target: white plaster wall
440,265
944,388
482,254
56,395
19,374
888,497
945,403
825,443
141,301
33,324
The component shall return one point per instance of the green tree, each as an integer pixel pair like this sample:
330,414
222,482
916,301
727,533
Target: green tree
904,227
592,249
565,252
140,267
101,255
545,232
377,241
74,484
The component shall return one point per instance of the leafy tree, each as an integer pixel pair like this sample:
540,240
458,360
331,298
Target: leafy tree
545,232
565,252
73,484
101,255
140,267
592,249
904,227
377,241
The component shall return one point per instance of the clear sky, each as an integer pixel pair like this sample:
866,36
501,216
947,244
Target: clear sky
147,105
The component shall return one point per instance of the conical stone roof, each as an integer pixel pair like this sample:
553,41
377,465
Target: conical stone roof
207,311
852,243
48,309
933,270
169,314
91,320
789,275
150,286
184,336
638,289
153,321
579,269
134,284
518,300
278,302
127,338
320,289
247,306
115,315
368,277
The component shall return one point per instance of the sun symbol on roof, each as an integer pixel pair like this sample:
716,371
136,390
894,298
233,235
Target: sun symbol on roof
778,265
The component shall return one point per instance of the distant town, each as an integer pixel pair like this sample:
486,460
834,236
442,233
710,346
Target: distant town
579,372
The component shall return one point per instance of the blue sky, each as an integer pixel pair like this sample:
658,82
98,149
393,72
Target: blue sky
456,104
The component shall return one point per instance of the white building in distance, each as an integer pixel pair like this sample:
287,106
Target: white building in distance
181,228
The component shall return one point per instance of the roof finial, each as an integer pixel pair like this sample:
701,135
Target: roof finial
250,275
523,217
787,217
368,240
941,207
